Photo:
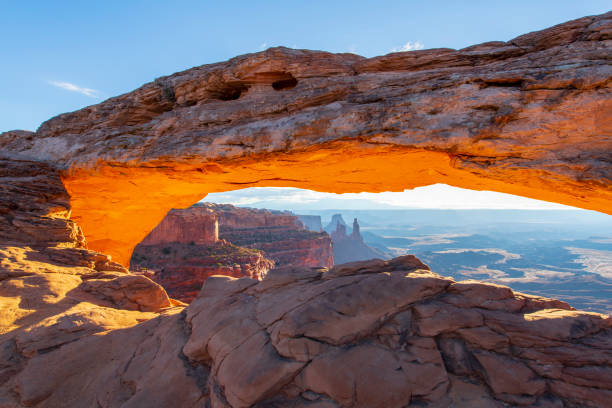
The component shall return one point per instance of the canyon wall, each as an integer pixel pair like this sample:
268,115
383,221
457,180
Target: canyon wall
238,217
183,268
199,226
207,239
286,246
281,235
530,116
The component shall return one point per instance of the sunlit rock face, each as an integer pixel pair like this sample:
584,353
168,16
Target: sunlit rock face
53,290
329,338
189,226
532,117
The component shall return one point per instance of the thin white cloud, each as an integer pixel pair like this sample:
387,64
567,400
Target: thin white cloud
409,46
92,93
263,46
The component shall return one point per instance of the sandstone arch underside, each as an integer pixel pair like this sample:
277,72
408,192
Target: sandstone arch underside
531,117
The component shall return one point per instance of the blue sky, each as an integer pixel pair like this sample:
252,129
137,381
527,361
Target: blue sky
59,56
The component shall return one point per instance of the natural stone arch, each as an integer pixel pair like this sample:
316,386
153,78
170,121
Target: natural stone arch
532,117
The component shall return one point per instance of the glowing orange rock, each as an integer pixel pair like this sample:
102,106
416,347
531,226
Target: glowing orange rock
532,117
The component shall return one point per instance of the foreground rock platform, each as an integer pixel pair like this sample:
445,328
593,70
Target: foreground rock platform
531,117
367,334
79,330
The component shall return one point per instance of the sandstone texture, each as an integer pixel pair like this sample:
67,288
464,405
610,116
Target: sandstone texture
207,239
53,290
239,217
182,268
190,226
280,234
77,329
531,116
366,334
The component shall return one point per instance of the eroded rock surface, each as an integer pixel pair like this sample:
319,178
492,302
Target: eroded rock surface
53,290
368,334
182,268
531,116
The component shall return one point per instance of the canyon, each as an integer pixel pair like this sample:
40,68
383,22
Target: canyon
531,116
207,239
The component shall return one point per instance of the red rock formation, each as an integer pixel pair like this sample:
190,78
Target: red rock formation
531,116
239,217
194,225
182,268
331,338
181,253
53,290
281,235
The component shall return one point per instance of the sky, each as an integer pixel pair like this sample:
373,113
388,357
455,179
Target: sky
62,56
435,196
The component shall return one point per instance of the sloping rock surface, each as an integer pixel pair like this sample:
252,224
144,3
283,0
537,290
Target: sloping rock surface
368,334
53,290
530,116
77,329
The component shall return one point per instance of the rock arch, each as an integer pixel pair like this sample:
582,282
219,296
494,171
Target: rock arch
532,117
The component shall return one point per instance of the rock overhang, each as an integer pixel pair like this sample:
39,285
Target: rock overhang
531,117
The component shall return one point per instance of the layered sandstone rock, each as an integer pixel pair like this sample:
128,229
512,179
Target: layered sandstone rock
182,268
531,116
53,290
184,249
285,246
239,217
78,330
195,225
280,234
368,334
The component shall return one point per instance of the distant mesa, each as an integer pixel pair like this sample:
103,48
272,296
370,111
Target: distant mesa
335,221
350,247
311,222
